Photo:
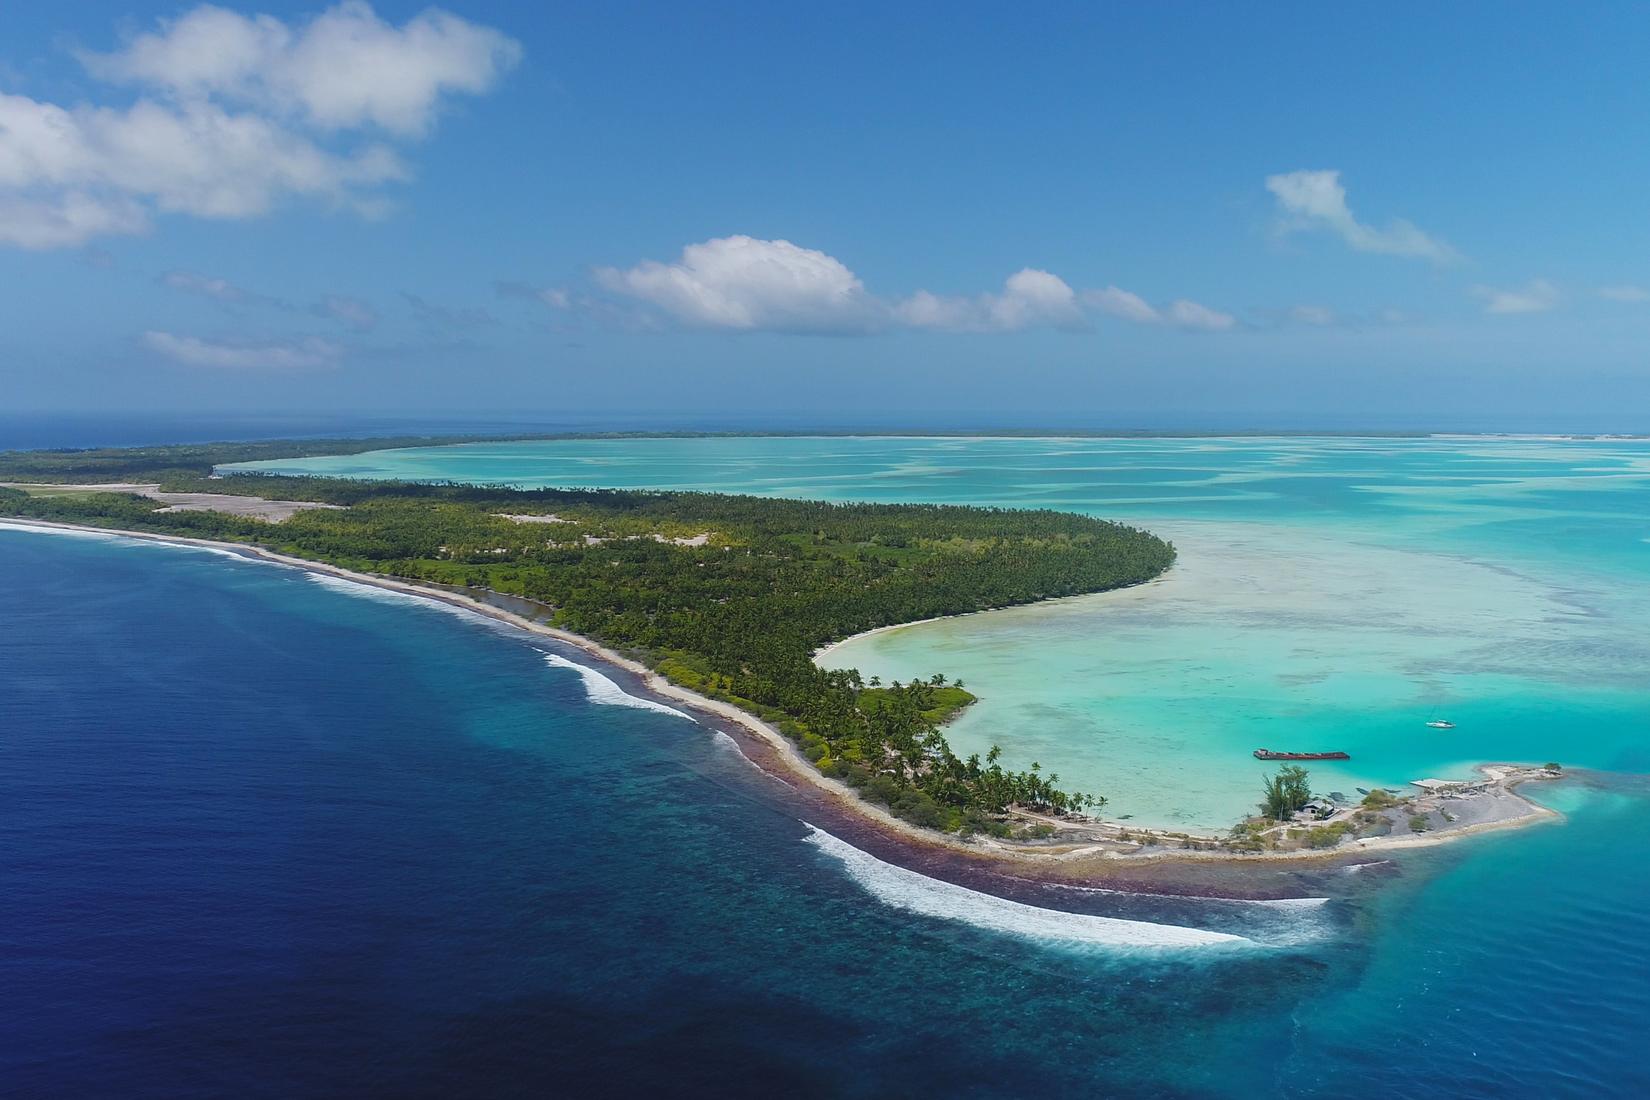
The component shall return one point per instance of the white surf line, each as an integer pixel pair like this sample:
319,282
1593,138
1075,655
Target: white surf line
7,523
917,893
363,590
21,525
348,586
1270,903
603,691
114,536
598,688
726,742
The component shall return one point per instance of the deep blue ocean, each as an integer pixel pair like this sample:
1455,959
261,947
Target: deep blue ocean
261,836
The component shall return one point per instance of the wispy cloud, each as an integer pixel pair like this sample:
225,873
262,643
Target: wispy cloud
1535,296
1316,200
309,353
1310,315
236,114
1194,315
553,296
1318,316
219,290
1625,293
353,312
1180,313
448,316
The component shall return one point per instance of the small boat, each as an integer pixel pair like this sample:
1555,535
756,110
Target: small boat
1268,754
1440,724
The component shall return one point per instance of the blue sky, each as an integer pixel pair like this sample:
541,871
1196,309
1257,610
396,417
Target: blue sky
1000,214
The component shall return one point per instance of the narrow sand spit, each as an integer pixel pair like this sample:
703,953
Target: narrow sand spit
1070,859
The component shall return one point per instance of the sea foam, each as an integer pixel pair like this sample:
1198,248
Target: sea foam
917,893
42,529
364,591
599,689
1266,903
121,537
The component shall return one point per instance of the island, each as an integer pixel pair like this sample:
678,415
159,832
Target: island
721,602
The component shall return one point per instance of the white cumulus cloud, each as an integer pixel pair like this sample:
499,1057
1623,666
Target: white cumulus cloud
345,68
749,284
235,115
308,353
1123,303
1029,298
1535,296
1317,200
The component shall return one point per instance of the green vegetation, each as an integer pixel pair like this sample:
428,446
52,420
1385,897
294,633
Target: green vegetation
1380,799
1248,836
1418,823
727,595
1327,836
1284,793
938,701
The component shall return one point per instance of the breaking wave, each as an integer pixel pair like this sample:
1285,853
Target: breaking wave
599,689
1268,922
363,591
916,893
724,741
118,536
42,529
1268,903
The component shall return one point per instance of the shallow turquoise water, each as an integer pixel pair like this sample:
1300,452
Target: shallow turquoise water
270,837
265,836
1331,594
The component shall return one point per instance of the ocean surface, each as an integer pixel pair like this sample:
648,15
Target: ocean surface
263,835
1331,594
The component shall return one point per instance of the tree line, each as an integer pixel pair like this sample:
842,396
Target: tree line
726,595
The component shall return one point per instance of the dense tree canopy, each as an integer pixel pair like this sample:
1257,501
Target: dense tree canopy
727,595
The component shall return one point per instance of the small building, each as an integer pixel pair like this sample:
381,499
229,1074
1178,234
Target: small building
1319,808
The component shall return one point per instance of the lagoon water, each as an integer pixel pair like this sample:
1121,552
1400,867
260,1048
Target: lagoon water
261,835
1331,594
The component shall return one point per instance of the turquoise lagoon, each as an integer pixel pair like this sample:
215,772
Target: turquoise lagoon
265,835
1331,593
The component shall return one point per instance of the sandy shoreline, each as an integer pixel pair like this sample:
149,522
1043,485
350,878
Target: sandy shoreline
826,650
1159,869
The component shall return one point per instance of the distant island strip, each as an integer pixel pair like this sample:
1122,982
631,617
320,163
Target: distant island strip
721,602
